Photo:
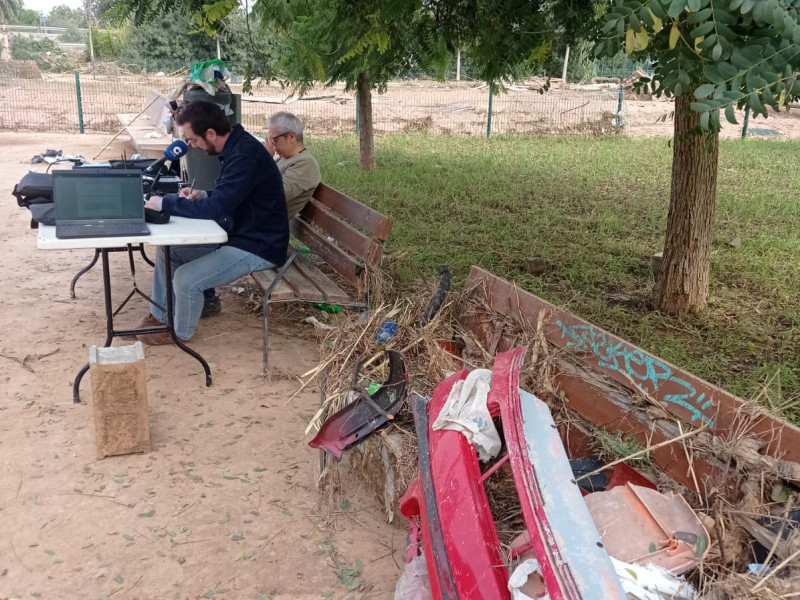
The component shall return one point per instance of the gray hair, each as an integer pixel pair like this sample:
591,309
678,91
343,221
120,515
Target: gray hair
286,122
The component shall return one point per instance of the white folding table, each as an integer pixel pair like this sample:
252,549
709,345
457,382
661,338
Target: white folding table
179,231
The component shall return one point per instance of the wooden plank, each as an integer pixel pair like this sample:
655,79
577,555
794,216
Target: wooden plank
335,257
344,235
594,402
599,402
333,293
303,288
282,291
354,211
677,391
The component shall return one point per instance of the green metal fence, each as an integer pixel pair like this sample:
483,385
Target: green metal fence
93,99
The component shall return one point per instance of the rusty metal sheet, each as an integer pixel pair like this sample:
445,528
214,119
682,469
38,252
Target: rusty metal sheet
679,392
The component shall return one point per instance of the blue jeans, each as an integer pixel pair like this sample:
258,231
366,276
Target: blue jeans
194,269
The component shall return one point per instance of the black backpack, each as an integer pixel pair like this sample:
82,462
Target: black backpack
35,192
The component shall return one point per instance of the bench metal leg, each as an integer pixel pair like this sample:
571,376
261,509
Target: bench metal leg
267,293
265,334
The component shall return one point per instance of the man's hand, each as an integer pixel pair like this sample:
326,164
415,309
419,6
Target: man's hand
269,146
153,202
191,194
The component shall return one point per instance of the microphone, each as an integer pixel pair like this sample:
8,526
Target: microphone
173,152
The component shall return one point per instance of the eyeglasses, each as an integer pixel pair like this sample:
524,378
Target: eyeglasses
275,139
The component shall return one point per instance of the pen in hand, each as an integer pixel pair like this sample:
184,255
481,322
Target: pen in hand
191,187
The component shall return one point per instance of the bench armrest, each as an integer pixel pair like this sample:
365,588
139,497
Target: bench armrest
281,272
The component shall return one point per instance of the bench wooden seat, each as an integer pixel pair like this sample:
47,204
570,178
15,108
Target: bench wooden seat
347,236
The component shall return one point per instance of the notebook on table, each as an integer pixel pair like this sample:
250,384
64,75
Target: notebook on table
104,203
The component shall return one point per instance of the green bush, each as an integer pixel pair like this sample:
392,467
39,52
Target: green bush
107,43
47,54
72,35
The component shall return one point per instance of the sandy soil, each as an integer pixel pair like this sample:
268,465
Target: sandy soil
224,505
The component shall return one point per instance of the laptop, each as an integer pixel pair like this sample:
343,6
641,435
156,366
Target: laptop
107,203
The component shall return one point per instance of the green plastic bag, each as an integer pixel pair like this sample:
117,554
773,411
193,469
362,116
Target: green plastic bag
207,74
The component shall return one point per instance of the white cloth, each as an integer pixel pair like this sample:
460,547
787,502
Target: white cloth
465,411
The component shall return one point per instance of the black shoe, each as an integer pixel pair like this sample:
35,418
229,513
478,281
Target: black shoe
211,308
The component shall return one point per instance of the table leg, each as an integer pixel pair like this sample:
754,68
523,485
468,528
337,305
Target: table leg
145,257
110,333
171,319
76,397
81,272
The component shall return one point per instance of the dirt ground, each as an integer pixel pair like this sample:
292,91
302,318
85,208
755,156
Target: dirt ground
224,505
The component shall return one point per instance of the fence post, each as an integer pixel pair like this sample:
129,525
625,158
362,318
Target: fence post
746,120
80,105
358,125
489,120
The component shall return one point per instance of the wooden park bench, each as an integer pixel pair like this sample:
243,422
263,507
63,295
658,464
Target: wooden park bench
347,236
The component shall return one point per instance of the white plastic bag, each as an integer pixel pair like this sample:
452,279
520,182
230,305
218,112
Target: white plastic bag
465,411
520,577
652,582
413,583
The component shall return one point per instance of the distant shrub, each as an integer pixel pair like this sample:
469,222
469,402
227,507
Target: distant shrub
47,54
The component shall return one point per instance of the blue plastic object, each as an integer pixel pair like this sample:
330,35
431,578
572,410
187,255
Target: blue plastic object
387,330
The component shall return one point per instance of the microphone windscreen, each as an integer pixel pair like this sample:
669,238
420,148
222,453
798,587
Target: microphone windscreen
175,150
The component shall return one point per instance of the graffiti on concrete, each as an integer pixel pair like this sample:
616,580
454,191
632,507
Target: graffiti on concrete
646,371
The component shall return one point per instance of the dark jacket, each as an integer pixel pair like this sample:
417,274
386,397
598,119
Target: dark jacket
248,200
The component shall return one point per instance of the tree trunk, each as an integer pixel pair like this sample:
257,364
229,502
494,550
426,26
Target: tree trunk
366,138
682,285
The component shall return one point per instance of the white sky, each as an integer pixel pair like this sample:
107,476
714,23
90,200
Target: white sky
44,6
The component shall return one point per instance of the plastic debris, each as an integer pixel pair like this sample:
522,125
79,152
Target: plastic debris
643,526
210,75
330,308
652,582
413,583
317,324
525,582
758,569
465,411
387,330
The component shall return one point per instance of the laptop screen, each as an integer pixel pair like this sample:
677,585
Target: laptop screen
98,195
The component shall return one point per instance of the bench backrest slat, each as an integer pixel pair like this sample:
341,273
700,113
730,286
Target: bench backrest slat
335,257
363,247
354,211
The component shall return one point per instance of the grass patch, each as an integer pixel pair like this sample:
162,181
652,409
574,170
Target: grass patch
597,209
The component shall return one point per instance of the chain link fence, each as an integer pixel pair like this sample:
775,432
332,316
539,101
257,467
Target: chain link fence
32,100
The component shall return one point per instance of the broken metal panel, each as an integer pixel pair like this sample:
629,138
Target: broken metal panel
564,538
462,549
677,391
362,417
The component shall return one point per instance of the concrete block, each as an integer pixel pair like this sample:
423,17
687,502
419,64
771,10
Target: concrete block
119,399
655,263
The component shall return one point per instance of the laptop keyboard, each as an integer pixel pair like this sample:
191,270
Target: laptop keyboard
99,230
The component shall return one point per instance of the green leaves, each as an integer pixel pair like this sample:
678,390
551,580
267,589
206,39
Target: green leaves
741,53
676,7
704,90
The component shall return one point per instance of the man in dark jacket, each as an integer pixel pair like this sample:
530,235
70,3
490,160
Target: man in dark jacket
247,200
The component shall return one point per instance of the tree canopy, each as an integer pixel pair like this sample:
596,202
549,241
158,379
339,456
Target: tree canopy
9,9
725,53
